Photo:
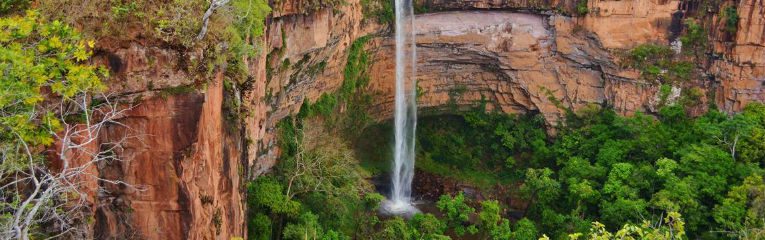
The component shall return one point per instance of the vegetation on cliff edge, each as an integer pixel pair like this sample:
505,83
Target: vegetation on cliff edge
51,112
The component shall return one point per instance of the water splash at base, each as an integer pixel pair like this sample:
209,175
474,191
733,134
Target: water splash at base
405,209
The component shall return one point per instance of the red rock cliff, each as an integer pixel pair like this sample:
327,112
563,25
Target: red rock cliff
192,163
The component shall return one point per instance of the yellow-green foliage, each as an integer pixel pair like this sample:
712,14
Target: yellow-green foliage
249,16
670,228
247,23
233,35
37,60
176,22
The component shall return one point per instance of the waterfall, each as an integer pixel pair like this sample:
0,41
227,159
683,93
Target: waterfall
405,115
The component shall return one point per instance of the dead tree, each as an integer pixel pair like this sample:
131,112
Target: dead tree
49,189
206,17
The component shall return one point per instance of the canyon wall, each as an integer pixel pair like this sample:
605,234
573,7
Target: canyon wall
514,61
739,59
178,154
191,161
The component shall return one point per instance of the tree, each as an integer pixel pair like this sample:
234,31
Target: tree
539,186
731,132
742,212
525,230
712,165
619,178
322,163
46,97
266,192
260,227
752,148
491,223
621,210
427,226
305,228
457,213
394,229
206,17
670,228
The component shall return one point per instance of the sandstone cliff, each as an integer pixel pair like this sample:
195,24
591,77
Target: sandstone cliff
193,162
182,158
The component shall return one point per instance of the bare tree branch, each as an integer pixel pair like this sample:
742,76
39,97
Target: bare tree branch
56,197
206,17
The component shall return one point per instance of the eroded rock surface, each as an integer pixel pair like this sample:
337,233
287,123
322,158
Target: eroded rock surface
740,70
515,61
189,159
183,162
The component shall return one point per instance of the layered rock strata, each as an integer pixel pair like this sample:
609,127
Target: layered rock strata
192,162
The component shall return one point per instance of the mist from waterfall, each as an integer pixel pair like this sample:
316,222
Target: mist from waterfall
405,115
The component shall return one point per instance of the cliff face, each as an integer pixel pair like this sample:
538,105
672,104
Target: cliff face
304,56
740,65
192,162
515,61
185,166
180,157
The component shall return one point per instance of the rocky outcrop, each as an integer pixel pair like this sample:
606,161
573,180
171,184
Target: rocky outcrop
180,160
618,24
740,68
515,61
626,24
306,58
452,5
183,164
191,161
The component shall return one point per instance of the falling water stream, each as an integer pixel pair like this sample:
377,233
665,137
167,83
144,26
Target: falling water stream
405,115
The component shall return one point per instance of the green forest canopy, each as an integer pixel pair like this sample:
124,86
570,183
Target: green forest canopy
668,176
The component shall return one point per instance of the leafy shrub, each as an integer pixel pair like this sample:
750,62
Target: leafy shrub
730,14
9,6
36,55
581,8
456,214
525,230
324,106
121,10
657,63
381,10
46,89
647,54
355,73
695,38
